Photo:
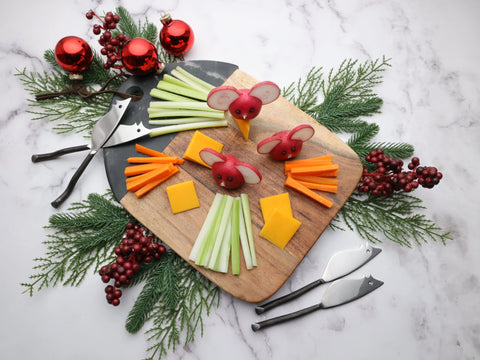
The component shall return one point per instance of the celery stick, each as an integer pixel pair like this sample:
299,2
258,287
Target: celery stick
166,95
162,130
187,81
223,258
193,105
206,250
221,231
212,213
235,240
181,90
205,85
160,113
175,121
244,240
175,81
248,224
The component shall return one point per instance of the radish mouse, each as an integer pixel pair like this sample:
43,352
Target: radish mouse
228,171
243,104
286,144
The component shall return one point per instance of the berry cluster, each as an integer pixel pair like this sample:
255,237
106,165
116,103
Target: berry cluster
111,45
136,248
389,175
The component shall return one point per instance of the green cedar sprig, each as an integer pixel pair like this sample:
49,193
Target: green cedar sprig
339,102
395,216
180,324
83,239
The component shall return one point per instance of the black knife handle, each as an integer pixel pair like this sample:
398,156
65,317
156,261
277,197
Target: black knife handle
283,318
57,202
285,298
55,154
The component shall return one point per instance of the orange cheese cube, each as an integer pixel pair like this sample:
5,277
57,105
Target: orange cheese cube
280,228
182,197
270,203
198,142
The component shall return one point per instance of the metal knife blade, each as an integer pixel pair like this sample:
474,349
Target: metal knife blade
106,126
125,133
347,261
339,265
343,291
101,132
338,293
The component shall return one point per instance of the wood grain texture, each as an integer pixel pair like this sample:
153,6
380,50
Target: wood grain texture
179,231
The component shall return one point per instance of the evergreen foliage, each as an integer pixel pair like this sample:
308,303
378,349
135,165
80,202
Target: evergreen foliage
83,239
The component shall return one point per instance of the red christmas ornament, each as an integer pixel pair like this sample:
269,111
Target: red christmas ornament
176,36
74,55
140,57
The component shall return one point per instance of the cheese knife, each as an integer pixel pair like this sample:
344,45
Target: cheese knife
338,293
339,265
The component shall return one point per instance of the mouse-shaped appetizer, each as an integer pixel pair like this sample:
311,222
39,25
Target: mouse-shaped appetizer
228,171
286,144
243,104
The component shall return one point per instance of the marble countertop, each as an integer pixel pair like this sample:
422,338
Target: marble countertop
429,306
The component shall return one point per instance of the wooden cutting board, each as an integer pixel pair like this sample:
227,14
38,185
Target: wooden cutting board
179,231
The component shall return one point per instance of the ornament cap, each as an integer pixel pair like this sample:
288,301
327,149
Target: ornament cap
160,67
75,76
166,19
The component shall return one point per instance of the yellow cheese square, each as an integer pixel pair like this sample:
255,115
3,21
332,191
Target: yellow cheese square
270,203
182,196
198,142
280,228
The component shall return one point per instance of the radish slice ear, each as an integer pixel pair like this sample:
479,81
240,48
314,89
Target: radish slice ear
210,156
221,97
266,91
265,146
250,174
302,132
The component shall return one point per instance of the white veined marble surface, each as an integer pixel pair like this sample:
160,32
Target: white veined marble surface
429,307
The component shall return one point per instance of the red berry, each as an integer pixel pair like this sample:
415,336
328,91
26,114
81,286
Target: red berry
116,302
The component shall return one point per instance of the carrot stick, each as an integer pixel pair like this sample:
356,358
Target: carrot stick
318,170
294,184
140,169
155,159
146,175
321,187
146,151
321,160
316,179
150,186
146,178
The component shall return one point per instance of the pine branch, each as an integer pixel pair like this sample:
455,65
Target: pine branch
196,297
148,297
348,95
84,238
395,217
69,113
128,27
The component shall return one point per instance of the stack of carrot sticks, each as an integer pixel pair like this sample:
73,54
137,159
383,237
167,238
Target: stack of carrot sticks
317,173
149,171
